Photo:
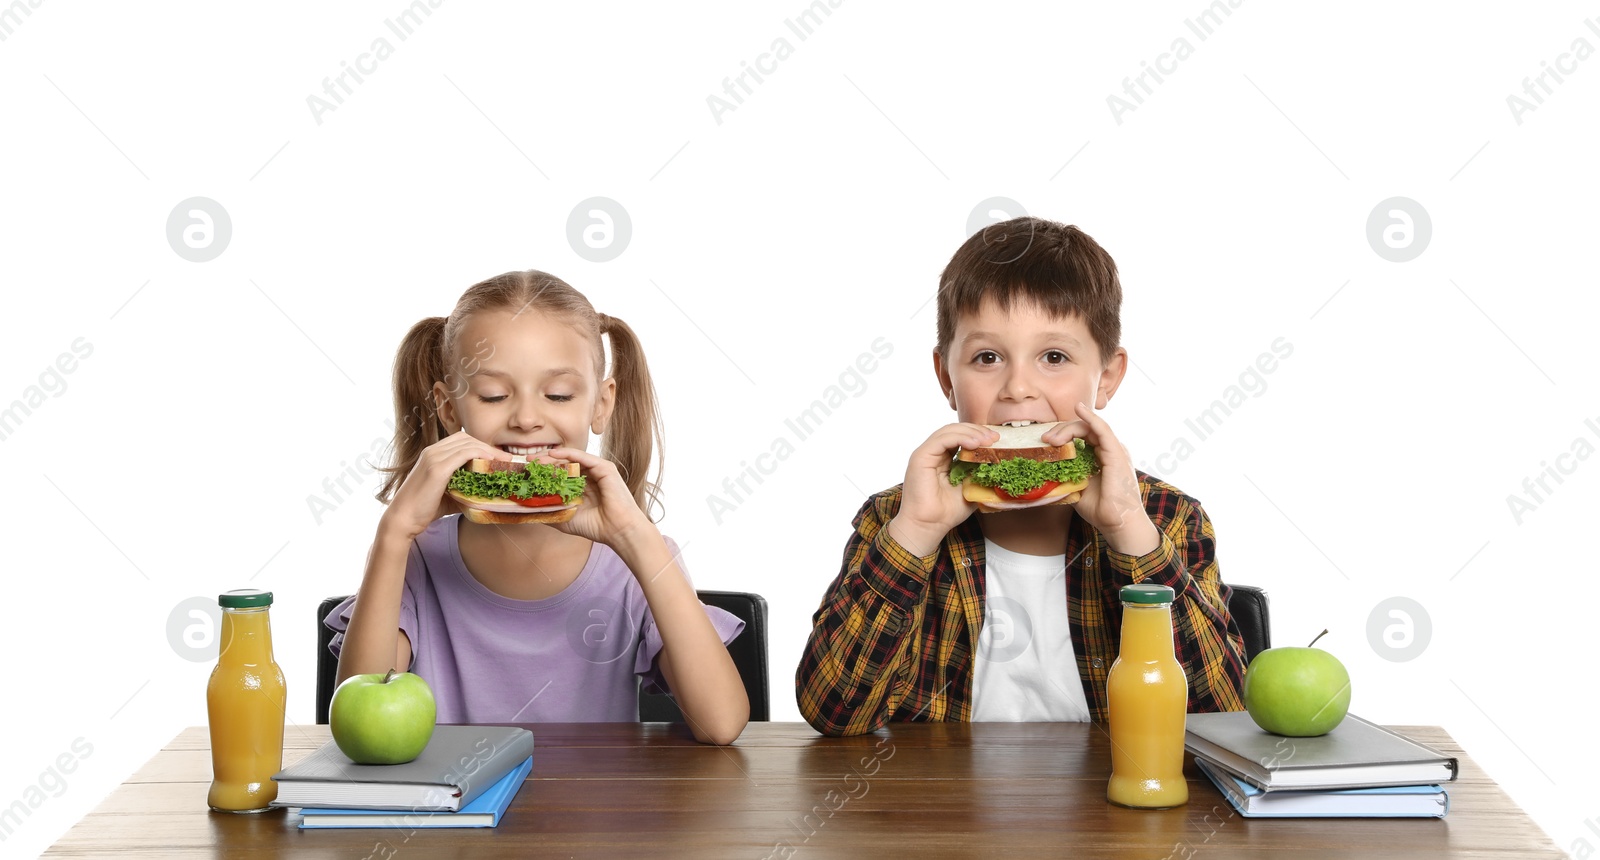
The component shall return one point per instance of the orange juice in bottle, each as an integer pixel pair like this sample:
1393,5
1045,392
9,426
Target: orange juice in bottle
245,707
1147,695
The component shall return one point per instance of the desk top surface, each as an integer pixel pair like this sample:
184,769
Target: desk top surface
936,790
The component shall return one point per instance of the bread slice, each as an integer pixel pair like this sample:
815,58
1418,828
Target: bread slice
500,519
1025,441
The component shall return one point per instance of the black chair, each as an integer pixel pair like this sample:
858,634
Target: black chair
749,653
1248,606
327,664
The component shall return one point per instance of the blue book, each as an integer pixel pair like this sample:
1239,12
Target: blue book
1392,801
483,811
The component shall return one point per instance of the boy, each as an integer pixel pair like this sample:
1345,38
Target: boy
1029,329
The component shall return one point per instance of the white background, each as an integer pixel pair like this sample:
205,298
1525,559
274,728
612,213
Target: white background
769,250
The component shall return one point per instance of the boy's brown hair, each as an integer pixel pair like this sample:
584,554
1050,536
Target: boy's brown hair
1054,265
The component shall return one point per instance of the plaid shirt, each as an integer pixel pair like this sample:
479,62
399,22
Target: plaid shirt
894,639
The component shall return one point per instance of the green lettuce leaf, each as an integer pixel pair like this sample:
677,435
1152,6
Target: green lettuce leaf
539,480
1021,475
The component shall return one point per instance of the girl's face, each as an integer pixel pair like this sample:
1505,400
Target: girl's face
524,382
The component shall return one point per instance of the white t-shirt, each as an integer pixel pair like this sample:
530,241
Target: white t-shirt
1025,670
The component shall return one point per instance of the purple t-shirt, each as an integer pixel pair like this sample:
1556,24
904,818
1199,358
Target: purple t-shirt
573,657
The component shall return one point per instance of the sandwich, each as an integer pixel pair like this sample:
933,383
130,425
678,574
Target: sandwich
1020,471
514,491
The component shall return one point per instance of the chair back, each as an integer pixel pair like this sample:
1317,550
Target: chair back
1248,606
749,653
327,664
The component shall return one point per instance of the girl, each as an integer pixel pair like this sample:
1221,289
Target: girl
533,622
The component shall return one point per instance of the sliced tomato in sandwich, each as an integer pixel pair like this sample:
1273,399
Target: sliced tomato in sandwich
1035,493
538,501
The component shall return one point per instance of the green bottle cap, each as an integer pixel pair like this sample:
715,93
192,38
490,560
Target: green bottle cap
1147,595
245,598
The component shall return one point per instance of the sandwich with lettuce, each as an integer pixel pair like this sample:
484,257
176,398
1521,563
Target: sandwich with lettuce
514,491
1020,471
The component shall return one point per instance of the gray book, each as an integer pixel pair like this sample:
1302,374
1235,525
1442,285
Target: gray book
1356,754
459,763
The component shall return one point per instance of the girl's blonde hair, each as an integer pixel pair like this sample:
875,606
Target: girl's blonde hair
431,353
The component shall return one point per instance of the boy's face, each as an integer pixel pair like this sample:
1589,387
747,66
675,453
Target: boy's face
525,380
1023,365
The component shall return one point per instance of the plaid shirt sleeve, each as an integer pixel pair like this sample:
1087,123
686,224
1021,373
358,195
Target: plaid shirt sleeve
864,646
1208,642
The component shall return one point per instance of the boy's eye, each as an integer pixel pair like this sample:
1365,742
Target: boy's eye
986,357
1055,356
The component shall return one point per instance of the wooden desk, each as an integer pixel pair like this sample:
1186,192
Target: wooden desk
630,789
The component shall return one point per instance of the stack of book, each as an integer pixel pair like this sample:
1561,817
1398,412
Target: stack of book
1359,769
466,777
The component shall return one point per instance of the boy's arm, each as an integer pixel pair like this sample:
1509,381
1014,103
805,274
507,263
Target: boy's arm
1212,654
853,673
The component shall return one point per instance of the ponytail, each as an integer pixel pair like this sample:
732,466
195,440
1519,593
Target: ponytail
634,433
419,363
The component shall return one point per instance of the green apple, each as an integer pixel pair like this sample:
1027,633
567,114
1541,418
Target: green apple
1297,692
382,719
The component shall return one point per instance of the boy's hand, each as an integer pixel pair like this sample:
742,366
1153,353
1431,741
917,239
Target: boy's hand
930,506
1112,502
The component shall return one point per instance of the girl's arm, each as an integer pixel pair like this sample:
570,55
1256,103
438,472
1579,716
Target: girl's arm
695,663
373,641
709,690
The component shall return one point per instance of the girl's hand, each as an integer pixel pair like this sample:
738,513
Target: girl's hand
608,513
421,498
1112,502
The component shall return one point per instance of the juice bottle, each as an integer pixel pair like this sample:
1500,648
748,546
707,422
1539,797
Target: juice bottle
1147,695
245,707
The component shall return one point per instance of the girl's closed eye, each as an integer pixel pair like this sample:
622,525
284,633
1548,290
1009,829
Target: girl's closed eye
559,398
